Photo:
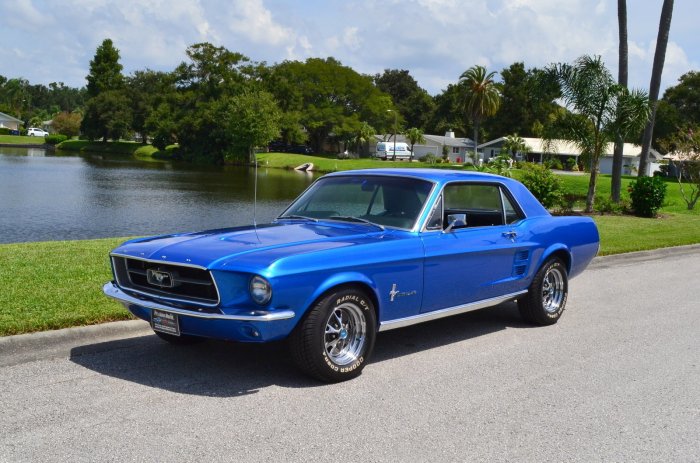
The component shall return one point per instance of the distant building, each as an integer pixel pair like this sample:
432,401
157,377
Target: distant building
458,149
539,150
9,122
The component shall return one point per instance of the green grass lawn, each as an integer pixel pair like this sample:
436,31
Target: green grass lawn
51,285
329,163
57,284
21,140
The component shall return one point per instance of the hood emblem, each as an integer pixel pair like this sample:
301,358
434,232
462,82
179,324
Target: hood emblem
159,278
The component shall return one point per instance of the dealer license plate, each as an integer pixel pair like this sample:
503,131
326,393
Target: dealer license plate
165,322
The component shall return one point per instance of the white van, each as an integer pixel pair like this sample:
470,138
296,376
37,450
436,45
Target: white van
385,150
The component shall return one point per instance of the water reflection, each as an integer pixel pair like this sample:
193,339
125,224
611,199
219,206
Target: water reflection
58,196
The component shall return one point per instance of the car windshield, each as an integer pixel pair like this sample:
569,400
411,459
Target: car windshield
386,201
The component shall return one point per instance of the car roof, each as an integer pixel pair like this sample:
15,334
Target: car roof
434,175
527,201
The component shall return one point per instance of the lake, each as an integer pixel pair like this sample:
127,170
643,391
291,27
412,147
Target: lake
46,196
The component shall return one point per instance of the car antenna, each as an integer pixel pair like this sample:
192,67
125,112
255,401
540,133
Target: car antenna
255,197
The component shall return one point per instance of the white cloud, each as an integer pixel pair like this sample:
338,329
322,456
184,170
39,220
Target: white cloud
250,18
436,40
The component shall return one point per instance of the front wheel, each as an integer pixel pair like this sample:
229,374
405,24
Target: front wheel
335,339
546,299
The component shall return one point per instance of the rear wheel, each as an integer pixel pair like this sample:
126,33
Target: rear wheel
546,299
335,339
183,339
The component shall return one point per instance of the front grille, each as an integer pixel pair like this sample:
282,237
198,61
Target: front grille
179,282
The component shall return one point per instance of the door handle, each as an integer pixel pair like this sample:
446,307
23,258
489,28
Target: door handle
510,235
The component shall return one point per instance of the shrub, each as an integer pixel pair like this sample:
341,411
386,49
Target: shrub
542,183
571,164
554,163
429,158
605,205
54,139
4,131
648,194
567,201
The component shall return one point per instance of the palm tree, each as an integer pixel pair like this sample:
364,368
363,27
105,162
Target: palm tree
482,97
515,144
414,136
363,135
616,182
600,110
656,70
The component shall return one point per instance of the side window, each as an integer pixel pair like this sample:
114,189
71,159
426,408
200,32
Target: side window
475,205
435,220
512,214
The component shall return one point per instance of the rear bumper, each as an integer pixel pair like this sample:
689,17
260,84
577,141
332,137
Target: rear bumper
244,325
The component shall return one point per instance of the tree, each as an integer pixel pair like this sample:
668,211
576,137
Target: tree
363,137
67,124
684,147
482,97
656,70
107,112
600,110
515,144
413,102
329,98
105,70
679,107
616,182
526,103
107,116
253,118
414,136
146,90
448,115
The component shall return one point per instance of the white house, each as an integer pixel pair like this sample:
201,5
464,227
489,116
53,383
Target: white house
458,148
9,122
539,149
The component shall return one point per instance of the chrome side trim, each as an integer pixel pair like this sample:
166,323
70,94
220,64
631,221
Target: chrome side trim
424,317
111,290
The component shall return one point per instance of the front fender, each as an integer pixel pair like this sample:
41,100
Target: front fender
339,279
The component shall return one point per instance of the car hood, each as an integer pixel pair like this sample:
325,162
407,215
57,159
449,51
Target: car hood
246,247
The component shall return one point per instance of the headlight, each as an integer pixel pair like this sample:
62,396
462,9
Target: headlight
260,290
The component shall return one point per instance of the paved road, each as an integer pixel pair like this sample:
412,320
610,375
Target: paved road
618,379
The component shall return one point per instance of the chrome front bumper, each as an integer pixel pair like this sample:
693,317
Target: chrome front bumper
113,291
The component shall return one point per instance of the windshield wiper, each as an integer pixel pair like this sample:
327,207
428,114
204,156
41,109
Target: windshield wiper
297,217
352,218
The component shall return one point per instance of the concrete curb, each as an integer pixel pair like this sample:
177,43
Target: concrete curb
22,348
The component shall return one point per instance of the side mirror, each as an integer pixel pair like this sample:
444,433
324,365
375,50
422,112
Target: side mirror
455,220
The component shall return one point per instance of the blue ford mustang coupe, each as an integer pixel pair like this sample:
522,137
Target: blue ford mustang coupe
357,253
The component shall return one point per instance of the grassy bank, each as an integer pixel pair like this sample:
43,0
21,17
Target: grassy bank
21,140
51,285
123,148
329,163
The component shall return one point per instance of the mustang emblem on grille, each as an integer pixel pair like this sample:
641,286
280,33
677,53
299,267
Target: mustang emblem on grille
159,278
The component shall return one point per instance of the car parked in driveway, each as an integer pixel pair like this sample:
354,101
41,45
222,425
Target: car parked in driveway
35,132
357,253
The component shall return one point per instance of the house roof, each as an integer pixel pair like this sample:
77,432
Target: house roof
682,156
568,148
450,141
7,117
432,139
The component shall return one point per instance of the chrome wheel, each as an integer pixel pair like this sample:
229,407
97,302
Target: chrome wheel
346,333
553,290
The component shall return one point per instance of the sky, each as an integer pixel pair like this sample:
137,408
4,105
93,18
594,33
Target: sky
435,40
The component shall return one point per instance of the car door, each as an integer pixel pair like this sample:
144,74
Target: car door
472,246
